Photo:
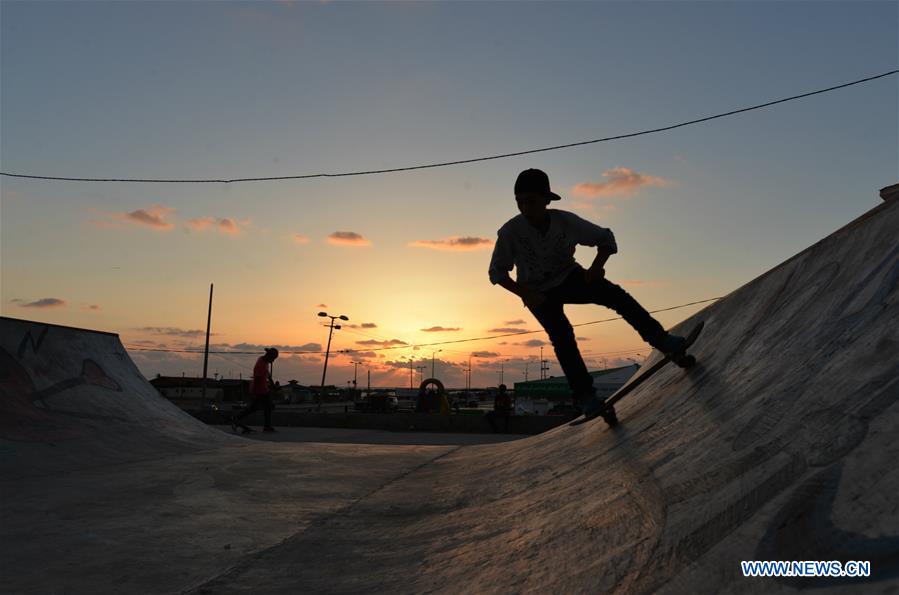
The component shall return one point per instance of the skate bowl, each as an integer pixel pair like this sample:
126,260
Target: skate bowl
72,396
778,445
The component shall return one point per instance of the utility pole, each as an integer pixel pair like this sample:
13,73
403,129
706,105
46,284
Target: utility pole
355,366
328,351
433,354
206,352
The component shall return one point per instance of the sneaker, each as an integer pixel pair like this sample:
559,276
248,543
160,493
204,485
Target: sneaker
594,407
671,344
268,429
609,416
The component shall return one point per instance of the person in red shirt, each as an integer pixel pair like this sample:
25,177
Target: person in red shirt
502,409
261,389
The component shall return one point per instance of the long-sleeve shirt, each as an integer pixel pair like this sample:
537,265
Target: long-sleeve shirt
542,261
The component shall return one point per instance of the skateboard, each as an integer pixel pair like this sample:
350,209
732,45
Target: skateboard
233,422
680,358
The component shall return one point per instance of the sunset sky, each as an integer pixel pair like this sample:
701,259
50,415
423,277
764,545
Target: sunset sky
198,90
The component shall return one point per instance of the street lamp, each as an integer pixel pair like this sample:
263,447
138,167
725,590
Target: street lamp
470,355
355,367
328,350
421,372
526,364
433,354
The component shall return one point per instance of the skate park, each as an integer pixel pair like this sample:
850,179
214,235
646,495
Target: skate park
768,449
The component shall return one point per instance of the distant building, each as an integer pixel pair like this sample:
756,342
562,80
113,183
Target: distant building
556,388
185,388
294,392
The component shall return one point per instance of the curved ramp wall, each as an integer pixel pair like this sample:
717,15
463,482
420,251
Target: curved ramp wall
779,445
72,397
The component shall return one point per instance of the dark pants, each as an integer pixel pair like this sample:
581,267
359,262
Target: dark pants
492,416
575,290
263,402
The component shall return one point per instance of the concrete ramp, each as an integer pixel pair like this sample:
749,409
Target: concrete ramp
72,397
779,445
106,487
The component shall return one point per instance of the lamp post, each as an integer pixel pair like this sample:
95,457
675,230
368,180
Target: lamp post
470,355
355,367
328,350
433,354
421,370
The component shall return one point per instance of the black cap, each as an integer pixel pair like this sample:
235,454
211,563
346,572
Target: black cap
534,180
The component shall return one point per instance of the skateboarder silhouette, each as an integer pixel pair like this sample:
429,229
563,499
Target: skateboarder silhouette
540,244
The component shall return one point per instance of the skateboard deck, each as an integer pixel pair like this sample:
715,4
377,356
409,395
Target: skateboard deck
681,358
233,422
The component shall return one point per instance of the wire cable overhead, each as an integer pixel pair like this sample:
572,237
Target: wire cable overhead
450,163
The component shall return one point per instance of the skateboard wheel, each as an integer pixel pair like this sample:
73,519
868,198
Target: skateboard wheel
688,361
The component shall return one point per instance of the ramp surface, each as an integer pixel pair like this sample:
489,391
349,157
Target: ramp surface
779,445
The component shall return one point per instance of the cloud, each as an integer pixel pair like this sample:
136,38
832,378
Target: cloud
153,217
309,347
622,182
533,343
454,243
484,354
300,239
229,226
225,225
44,303
173,332
377,343
363,354
200,223
363,325
519,321
91,308
347,238
439,329
322,306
